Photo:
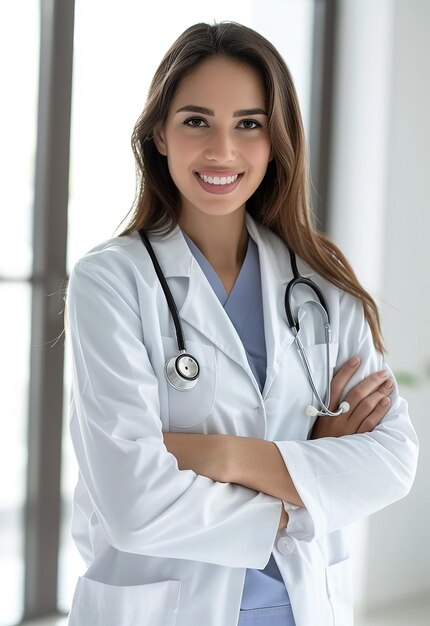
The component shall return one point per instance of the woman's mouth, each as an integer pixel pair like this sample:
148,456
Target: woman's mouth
218,184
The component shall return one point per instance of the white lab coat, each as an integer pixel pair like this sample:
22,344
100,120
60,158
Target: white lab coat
166,547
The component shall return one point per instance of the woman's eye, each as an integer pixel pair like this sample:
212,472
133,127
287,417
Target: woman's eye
198,122
190,122
248,122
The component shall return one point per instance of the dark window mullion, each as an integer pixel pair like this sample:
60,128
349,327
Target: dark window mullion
49,269
323,60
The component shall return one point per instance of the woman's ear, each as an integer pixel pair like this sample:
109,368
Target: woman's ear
159,139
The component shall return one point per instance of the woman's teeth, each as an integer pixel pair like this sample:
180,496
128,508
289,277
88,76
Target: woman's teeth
218,180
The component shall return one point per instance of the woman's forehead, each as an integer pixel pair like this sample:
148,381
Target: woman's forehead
221,83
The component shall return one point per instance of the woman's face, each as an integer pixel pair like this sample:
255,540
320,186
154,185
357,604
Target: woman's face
216,127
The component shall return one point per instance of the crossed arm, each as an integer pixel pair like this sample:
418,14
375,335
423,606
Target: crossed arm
258,464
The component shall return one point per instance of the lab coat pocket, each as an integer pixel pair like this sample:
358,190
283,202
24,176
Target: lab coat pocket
339,585
317,355
317,358
98,604
189,408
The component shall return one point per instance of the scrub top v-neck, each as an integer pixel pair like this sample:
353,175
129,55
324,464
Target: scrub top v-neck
265,588
243,305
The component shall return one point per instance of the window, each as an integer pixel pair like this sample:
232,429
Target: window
19,40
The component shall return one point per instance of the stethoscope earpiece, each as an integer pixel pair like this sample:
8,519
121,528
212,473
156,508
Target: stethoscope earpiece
312,411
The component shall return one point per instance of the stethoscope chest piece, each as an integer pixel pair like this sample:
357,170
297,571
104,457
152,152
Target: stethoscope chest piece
182,371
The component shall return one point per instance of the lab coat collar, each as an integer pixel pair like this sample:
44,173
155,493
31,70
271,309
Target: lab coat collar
180,259
280,258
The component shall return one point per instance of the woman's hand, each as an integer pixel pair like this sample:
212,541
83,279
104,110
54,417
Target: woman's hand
284,517
368,400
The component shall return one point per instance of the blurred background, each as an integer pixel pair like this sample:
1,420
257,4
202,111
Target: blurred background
74,78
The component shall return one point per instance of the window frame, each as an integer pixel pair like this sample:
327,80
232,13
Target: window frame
43,496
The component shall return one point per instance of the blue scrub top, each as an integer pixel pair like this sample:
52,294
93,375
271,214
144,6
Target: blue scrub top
244,306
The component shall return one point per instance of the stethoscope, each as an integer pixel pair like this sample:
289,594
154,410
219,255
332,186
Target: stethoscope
293,322
182,371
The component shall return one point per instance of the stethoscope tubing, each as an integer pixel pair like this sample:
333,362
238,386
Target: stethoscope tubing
182,371
321,306
298,279
167,293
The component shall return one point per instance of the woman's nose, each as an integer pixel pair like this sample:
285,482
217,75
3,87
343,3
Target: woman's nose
221,147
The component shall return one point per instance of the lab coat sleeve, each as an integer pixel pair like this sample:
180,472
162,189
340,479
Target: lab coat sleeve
343,479
144,503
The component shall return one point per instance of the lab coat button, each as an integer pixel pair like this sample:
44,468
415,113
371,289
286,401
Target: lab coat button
285,545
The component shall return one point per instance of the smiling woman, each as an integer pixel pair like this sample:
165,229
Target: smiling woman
205,497
96,209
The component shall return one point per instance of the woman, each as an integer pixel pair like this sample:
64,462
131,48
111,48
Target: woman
220,499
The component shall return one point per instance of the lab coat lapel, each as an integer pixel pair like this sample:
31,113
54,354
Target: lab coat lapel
276,272
198,298
216,326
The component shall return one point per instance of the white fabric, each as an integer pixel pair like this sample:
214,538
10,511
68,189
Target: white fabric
138,520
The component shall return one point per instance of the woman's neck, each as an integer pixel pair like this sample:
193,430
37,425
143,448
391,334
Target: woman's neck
223,240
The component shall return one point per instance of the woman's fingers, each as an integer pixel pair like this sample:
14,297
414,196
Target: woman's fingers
376,416
284,518
368,400
387,387
361,392
364,410
372,409
341,379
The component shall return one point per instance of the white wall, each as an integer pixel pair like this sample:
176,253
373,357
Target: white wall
401,533
378,216
361,105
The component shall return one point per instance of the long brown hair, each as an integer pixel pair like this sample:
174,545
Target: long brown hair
281,202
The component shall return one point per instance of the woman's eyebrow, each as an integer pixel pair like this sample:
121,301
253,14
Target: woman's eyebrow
193,108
